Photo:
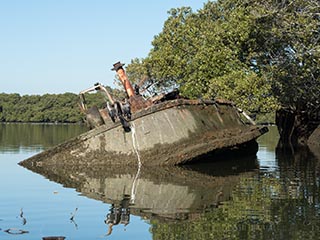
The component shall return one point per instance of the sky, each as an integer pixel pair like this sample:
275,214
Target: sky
58,46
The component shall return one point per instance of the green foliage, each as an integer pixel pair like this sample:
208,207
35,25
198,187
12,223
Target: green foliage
265,118
289,50
47,108
36,108
258,54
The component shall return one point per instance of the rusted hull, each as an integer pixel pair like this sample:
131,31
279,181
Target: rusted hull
170,133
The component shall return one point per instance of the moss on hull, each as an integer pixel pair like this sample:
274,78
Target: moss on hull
169,133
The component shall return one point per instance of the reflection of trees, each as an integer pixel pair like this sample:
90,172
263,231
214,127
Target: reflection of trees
244,217
299,173
16,136
270,140
261,207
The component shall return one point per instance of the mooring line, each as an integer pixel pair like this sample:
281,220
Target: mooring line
135,142
135,147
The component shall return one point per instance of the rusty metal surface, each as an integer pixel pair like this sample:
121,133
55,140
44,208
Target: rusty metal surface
136,100
137,103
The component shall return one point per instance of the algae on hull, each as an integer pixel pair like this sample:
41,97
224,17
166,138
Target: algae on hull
169,133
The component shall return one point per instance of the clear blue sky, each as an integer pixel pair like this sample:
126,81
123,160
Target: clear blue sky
57,46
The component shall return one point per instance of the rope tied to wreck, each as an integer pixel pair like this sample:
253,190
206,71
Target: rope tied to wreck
135,142
135,147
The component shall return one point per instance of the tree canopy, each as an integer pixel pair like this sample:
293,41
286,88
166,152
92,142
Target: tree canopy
36,108
48,108
259,54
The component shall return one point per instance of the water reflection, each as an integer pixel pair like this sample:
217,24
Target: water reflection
275,195
15,138
300,171
269,205
119,213
157,194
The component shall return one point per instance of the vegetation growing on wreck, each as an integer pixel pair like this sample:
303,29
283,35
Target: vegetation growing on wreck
259,54
263,55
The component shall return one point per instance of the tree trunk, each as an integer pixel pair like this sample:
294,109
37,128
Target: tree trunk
295,127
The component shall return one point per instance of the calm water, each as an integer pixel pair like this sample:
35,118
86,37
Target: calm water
274,195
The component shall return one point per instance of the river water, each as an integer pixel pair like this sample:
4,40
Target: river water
273,195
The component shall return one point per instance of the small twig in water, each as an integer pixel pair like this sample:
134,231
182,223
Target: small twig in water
72,218
24,220
73,214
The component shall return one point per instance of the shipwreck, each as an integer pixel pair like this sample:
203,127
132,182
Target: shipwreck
161,130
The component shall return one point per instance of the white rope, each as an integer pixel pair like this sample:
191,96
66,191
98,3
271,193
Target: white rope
135,147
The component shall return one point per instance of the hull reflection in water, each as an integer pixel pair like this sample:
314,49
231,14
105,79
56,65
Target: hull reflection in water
164,193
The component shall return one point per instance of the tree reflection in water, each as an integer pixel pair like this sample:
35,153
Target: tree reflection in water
283,204
166,195
234,199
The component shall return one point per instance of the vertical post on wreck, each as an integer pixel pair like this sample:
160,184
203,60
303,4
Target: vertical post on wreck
118,67
136,101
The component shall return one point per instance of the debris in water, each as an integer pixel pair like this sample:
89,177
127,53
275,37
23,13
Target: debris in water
72,218
73,214
15,231
24,220
53,238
